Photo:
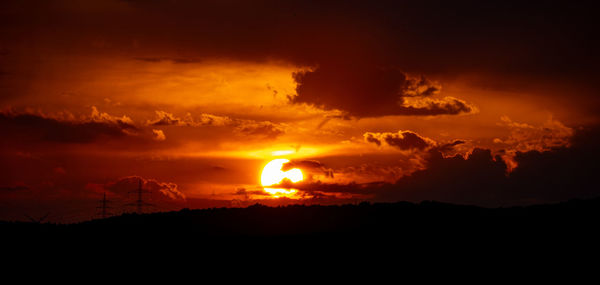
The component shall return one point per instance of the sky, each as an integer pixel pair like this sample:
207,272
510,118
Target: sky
490,103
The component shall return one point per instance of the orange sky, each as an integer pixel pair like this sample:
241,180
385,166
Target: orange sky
197,103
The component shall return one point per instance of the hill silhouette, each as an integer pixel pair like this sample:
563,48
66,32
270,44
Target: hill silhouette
418,234
417,221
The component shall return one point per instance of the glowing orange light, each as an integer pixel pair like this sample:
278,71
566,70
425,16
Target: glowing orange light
272,173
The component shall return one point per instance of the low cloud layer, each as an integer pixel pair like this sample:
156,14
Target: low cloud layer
263,129
167,119
480,178
244,127
32,127
159,191
312,168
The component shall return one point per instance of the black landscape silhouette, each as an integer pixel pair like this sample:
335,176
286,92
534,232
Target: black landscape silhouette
363,221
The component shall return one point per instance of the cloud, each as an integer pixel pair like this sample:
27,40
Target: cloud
178,60
213,120
160,191
480,178
249,193
369,91
374,171
159,135
526,137
476,179
264,129
29,127
416,146
309,166
403,140
450,146
450,179
13,188
432,107
319,187
167,119
124,121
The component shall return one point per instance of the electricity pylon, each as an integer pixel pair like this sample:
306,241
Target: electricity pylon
103,207
139,203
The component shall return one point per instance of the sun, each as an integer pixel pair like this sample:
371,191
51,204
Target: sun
272,173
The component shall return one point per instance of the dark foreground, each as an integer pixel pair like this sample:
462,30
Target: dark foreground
575,221
394,236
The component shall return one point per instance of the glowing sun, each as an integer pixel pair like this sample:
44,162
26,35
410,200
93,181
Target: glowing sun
272,173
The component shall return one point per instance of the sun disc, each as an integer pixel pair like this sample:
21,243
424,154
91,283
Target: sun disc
294,175
272,173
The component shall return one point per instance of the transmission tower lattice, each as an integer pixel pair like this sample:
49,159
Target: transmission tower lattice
139,203
104,207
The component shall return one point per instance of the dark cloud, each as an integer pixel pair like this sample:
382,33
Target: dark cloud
434,107
39,128
173,60
13,188
369,137
309,166
449,146
525,137
404,140
408,140
477,179
303,164
247,193
483,179
370,91
318,187
160,191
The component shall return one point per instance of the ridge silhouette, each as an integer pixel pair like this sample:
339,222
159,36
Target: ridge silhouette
413,232
401,219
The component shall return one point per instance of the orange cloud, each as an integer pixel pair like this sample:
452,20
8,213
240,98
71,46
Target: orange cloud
159,135
525,137
167,119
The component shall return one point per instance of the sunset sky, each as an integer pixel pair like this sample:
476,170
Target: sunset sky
491,103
